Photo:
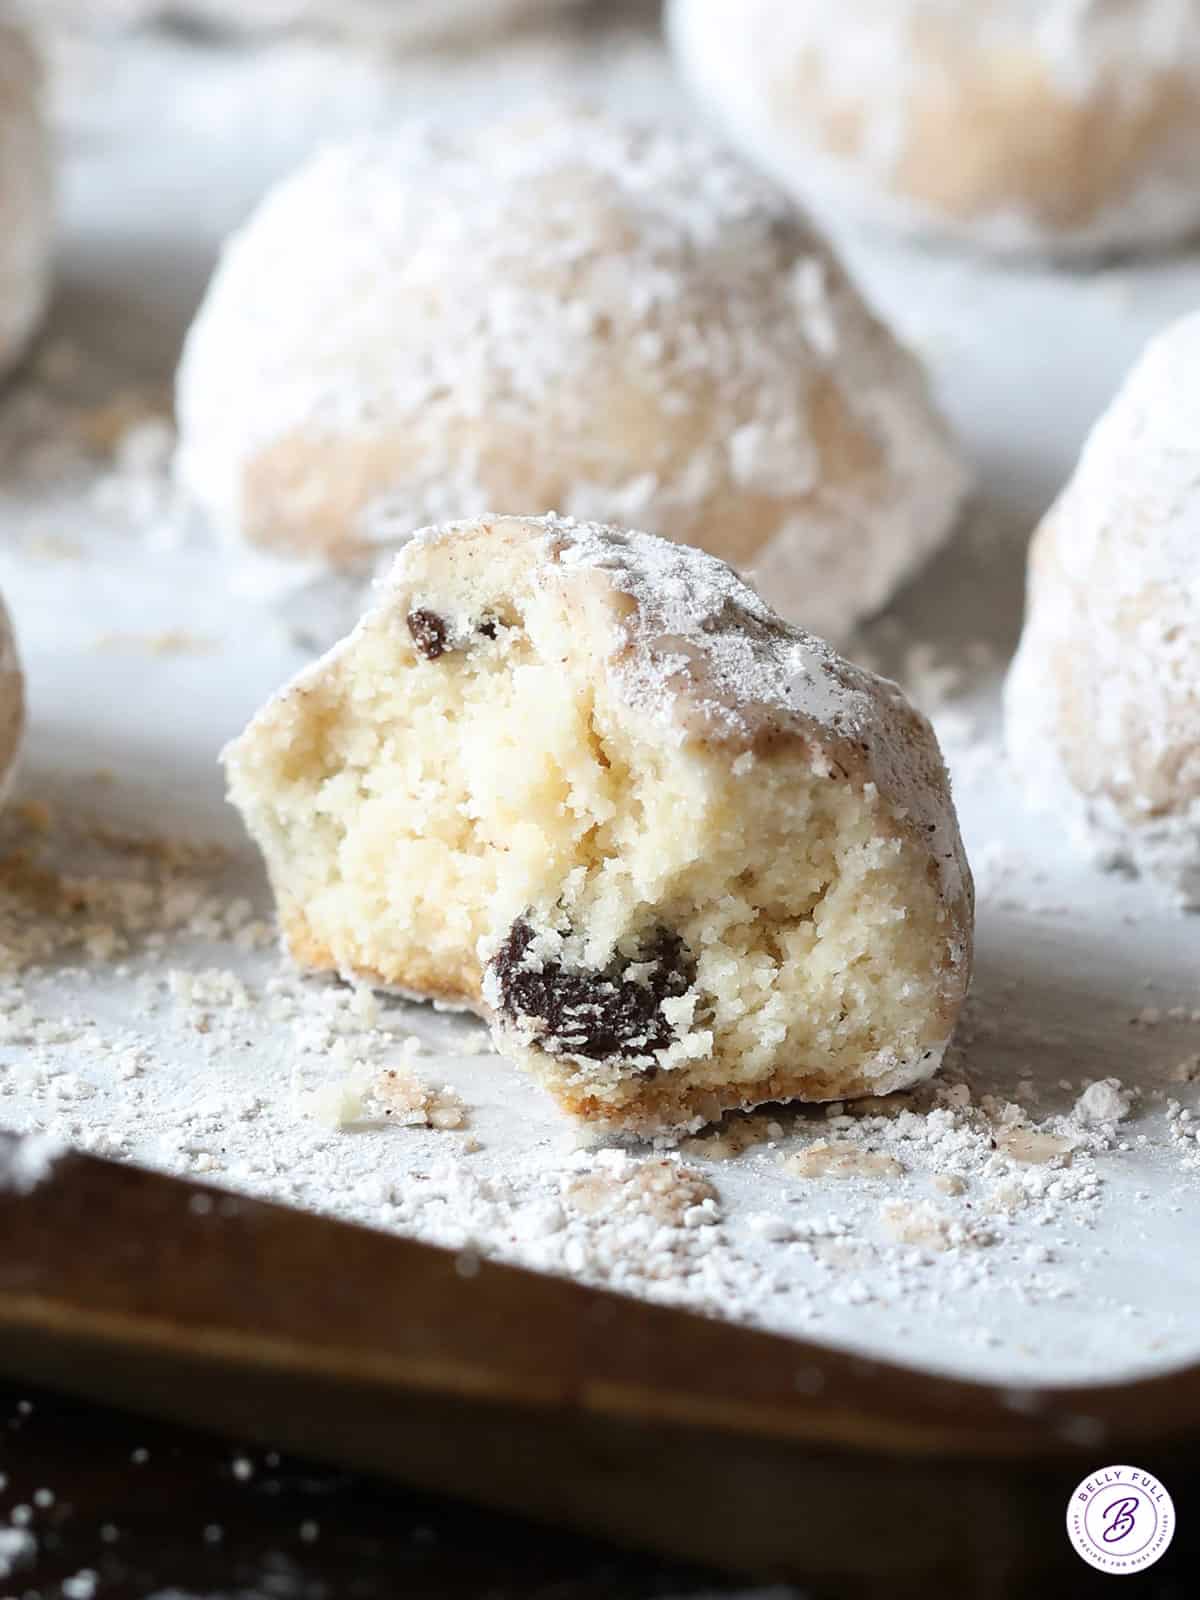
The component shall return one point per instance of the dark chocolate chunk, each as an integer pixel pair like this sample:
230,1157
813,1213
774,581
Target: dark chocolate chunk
428,633
596,1014
488,628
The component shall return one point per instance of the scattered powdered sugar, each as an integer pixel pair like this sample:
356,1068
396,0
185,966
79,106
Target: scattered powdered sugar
404,1095
66,427
648,1226
24,1163
932,1226
82,1585
17,1548
1103,1102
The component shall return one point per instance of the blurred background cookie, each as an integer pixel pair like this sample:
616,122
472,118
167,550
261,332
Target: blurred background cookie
560,311
1058,126
26,189
1103,700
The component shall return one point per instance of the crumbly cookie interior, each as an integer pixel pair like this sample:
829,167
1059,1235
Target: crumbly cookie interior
461,804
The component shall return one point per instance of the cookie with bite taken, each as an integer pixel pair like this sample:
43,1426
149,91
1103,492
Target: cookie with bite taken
681,854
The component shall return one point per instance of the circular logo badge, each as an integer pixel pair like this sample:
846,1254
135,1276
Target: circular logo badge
1120,1520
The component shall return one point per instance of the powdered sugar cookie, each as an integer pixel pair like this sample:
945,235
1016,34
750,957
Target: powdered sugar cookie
681,854
559,312
1103,700
25,195
1061,126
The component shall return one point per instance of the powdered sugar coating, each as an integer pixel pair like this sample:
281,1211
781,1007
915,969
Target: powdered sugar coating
25,195
565,311
1069,126
1103,700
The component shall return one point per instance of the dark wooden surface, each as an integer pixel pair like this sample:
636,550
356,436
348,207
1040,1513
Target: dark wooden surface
148,1525
696,1439
179,1517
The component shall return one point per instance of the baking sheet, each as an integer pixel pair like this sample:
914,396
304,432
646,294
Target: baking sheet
147,1015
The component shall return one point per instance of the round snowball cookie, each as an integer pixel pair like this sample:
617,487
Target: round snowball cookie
557,311
1103,699
25,196
680,853
1051,126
